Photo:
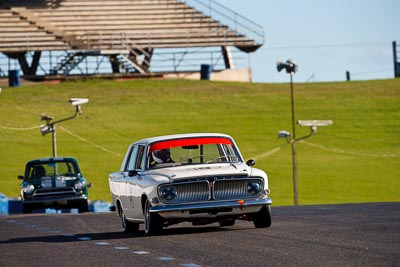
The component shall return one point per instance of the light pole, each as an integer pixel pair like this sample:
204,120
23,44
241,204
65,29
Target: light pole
291,68
50,126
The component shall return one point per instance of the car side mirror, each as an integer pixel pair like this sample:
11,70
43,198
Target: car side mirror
21,177
132,173
251,162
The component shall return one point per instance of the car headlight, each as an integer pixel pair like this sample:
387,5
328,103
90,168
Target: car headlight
28,188
168,193
80,185
253,188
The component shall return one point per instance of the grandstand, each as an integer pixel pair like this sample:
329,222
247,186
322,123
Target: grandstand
60,38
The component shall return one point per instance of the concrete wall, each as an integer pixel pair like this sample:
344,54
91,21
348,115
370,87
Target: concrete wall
231,75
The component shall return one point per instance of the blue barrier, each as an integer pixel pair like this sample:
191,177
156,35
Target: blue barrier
3,205
99,206
14,206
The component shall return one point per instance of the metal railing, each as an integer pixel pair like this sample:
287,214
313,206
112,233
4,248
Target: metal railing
396,59
104,40
230,18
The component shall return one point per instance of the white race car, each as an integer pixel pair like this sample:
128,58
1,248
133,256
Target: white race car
200,178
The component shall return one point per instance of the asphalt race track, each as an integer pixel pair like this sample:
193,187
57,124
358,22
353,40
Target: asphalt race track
326,235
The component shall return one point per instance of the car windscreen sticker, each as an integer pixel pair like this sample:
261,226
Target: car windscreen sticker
189,142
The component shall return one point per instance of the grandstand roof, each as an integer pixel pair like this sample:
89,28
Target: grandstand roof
37,25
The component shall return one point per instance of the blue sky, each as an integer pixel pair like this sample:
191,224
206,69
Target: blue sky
325,38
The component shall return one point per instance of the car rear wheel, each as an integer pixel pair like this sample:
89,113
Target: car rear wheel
153,223
262,219
127,226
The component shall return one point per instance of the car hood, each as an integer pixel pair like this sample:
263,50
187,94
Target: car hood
53,181
204,170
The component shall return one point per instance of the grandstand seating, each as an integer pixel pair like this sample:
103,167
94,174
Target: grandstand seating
138,26
18,34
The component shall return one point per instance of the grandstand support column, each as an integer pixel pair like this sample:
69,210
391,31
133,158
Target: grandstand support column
25,67
227,54
114,63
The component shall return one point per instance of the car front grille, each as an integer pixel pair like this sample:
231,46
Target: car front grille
192,192
53,192
231,189
211,189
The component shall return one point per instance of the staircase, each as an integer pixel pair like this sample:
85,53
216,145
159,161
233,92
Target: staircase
68,63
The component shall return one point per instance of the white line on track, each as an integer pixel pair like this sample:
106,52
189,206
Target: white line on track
165,259
121,248
102,243
85,238
141,252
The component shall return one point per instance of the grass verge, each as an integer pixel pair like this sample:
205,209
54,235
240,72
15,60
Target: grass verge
356,159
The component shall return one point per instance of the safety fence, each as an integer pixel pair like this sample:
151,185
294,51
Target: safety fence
163,60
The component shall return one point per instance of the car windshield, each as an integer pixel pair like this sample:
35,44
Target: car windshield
192,151
49,169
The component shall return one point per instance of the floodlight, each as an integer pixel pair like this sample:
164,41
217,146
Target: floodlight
314,122
45,129
78,101
284,134
50,126
45,117
289,65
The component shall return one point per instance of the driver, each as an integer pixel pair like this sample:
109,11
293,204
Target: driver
161,157
38,171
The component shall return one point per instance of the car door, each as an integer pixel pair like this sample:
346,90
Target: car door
133,182
117,183
126,198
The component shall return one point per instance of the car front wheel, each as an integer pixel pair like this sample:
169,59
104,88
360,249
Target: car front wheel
262,219
83,207
26,208
153,223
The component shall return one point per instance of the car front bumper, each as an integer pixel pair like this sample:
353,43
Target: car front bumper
55,202
211,209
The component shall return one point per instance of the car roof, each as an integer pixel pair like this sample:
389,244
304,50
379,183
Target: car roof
57,159
179,136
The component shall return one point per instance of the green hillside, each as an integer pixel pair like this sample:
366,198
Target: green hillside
357,159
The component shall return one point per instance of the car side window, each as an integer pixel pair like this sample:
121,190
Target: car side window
131,164
141,159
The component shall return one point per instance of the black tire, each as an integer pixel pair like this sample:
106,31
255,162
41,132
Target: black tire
153,223
127,226
83,207
263,218
227,222
26,208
